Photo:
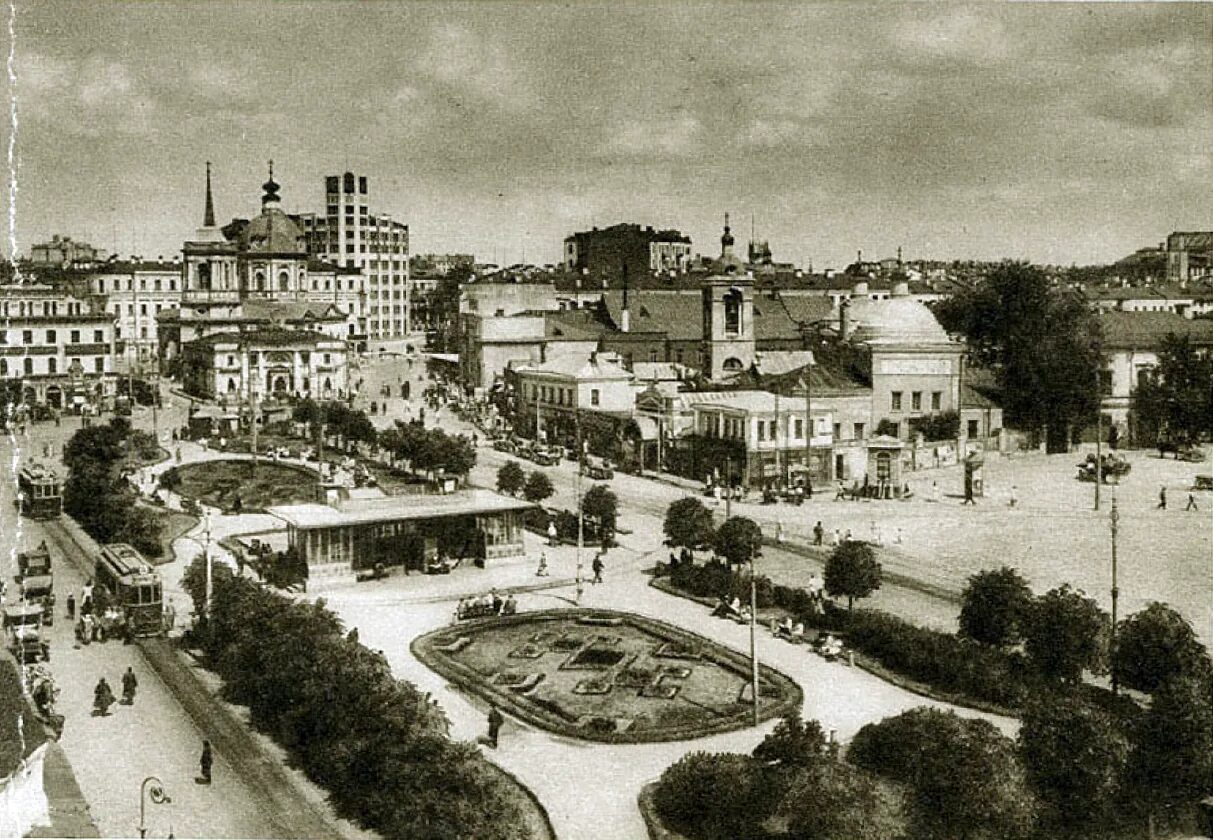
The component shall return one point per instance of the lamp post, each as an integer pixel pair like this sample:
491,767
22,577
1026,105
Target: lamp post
754,631
580,516
1114,518
808,431
1098,436
206,553
158,796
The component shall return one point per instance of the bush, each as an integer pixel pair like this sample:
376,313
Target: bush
993,607
343,718
714,796
1156,645
1065,633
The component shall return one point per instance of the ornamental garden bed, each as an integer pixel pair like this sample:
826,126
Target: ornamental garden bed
632,680
218,483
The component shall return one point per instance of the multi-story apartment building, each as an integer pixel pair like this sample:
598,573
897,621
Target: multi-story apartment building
136,292
64,251
603,252
351,236
59,346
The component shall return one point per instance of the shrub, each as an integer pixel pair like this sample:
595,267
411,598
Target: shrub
688,523
714,796
1155,645
510,478
1066,632
538,487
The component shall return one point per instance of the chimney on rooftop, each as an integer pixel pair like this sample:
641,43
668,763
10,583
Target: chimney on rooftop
844,319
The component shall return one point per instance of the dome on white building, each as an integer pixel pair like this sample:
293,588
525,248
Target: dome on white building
899,319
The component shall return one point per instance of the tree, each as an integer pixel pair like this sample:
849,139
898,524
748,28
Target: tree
601,505
714,796
793,743
1066,632
944,425
852,570
1176,400
1171,763
538,487
510,478
738,540
1041,341
1155,645
1074,756
964,779
993,606
832,800
688,523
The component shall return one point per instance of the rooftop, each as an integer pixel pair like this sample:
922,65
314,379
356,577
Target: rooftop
1146,330
311,516
578,366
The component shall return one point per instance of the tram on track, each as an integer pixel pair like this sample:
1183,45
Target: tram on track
133,586
40,492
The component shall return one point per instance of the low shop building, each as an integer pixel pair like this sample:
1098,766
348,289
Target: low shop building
347,536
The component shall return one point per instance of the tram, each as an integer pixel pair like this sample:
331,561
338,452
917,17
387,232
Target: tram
40,492
133,587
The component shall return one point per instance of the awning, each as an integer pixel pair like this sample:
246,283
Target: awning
451,358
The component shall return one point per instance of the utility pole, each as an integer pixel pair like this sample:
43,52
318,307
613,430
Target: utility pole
727,490
754,631
1098,436
1114,518
206,553
808,431
580,519
776,440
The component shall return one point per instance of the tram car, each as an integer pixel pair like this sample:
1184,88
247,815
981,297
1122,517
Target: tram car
40,492
133,587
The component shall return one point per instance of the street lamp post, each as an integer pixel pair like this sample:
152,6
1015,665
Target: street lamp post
754,631
808,431
580,515
158,796
206,553
1098,439
1114,518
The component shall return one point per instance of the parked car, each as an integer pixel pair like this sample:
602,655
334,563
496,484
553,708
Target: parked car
598,470
504,445
544,457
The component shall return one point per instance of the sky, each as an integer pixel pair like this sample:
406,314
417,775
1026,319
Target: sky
1050,132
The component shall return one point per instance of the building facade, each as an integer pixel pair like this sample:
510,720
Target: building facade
60,347
64,251
136,293
265,364
1189,255
351,236
642,249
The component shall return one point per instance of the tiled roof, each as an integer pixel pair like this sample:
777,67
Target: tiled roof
806,308
751,401
1146,330
577,366
970,397
660,371
292,310
773,362
677,314
572,324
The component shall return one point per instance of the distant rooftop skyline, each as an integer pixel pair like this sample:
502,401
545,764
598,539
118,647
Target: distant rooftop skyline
1050,132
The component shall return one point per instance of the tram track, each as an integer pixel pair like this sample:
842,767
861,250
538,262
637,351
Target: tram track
287,804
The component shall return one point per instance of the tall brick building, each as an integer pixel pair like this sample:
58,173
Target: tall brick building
603,252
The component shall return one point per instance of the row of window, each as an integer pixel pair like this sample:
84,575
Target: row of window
305,357
52,337
30,308
157,285
561,396
915,400
51,368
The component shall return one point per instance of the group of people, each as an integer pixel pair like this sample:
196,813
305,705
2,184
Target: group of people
733,609
828,645
491,603
103,695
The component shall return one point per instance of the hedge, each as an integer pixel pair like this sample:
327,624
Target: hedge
344,719
941,661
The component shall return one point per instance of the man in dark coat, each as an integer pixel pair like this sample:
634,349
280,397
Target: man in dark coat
129,684
205,763
495,722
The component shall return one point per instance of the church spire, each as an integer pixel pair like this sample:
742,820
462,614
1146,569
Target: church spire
726,241
271,189
208,218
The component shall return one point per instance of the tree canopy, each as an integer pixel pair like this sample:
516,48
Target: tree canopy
993,607
688,523
1175,402
510,478
852,571
601,505
1041,341
538,487
738,540
1155,645
1065,633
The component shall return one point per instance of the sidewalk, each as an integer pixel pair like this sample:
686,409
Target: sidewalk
70,816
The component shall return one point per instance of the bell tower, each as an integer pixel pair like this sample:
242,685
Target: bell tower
728,325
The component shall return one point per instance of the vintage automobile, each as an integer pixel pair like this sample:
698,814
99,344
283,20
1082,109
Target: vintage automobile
598,470
39,590
35,563
504,445
23,633
1203,482
544,457
1114,468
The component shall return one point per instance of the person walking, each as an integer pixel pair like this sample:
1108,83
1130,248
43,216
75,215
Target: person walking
1192,503
205,762
597,567
129,684
495,722
1162,497
1014,495
71,606
103,698
542,571
818,533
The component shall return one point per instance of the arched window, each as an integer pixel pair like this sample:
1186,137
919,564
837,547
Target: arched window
884,466
733,364
284,281
204,276
259,281
732,311
231,385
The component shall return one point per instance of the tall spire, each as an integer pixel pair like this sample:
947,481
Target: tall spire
271,188
208,218
726,241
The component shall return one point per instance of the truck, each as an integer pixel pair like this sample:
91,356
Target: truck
23,633
35,563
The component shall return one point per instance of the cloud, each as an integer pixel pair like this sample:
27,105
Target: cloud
466,63
958,34
654,137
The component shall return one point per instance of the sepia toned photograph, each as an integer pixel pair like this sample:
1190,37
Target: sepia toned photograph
664,420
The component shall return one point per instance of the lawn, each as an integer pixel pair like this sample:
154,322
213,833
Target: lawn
218,483
619,678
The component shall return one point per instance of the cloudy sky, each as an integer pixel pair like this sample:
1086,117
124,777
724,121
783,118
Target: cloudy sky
1058,133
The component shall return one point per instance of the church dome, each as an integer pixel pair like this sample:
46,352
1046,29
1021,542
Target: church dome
273,232
893,320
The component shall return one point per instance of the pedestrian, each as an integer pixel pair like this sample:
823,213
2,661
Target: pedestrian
836,538
170,615
597,567
1162,497
103,698
818,533
1014,495
71,606
552,532
129,684
840,491
779,531
1192,503
897,539
205,763
542,571
969,500
495,722
934,491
